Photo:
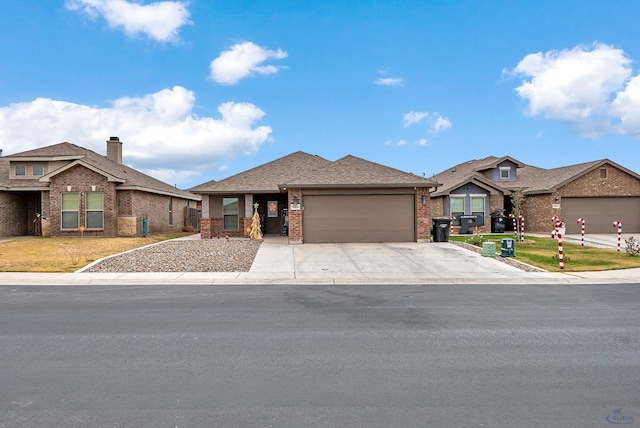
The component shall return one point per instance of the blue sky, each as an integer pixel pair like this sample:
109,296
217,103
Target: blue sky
205,89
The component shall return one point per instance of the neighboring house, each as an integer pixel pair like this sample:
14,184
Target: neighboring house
600,192
315,200
67,190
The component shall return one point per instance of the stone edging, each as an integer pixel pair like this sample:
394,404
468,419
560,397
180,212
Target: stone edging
508,260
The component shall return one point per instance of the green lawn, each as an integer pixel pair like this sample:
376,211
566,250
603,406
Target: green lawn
543,253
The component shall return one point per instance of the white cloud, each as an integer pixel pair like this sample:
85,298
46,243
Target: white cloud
440,124
243,60
626,107
389,81
160,20
412,117
437,123
590,87
422,142
161,134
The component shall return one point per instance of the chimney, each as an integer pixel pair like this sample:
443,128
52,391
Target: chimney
114,149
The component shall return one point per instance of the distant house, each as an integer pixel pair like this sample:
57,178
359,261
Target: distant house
66,190
312,199
600,192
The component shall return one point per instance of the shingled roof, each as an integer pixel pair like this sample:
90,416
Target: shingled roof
265,178
531,179
128,178
352,171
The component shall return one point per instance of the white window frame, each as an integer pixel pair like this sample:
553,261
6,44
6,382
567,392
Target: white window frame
63,211
88,210
506,169
230,213
484,204
457,214
22,167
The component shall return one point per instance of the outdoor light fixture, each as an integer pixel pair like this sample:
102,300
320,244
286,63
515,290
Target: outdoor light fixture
296,200
424,199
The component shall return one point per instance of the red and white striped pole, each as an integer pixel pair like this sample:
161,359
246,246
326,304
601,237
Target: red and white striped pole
560,252
581,220
556,234
515,226
521,220
618,224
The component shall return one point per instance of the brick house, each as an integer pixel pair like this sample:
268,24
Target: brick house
312,199
66,190
600,192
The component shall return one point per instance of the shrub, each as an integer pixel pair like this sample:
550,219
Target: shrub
633,246
476,240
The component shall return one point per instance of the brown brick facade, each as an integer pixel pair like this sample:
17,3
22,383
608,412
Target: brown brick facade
295,218
423,215
81,180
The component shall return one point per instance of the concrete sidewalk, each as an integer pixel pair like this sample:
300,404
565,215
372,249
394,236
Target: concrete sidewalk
277,262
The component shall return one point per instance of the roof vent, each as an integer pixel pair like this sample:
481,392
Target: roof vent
114,139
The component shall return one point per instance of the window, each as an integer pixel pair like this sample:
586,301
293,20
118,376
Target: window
457,208
37,170
477,205
70,214
505,173
94,209
603,173
21,170
230,213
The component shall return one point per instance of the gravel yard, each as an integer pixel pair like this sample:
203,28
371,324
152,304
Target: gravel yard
206,255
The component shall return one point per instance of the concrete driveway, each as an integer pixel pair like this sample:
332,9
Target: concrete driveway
352,262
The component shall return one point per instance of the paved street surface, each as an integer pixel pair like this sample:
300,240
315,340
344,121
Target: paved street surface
311,356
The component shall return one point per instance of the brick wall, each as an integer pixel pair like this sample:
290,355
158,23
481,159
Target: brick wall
538,209
423,215
13,214
156,208
295,218
80,179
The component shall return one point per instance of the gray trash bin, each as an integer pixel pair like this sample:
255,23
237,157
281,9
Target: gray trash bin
441,228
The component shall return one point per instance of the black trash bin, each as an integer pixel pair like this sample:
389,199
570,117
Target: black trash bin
441,228
498,221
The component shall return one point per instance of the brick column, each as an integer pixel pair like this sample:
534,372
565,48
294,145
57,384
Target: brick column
206,228
423,215
295,217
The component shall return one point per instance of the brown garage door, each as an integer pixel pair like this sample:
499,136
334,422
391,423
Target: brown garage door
600,213
359,218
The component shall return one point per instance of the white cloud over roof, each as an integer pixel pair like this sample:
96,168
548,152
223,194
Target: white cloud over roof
160,20
161,135
437,123
244,60
590,87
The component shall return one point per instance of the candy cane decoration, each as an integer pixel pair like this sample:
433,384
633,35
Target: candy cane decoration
451,228
556,234
515,225
581,220
521,220
560,252
618,224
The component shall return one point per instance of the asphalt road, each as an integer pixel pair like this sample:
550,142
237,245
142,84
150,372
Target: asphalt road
285,356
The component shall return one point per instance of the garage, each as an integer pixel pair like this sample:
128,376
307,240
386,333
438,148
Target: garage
359,218
600,213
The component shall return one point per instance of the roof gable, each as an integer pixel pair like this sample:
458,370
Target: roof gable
129,178
531,179
265,178
352,171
